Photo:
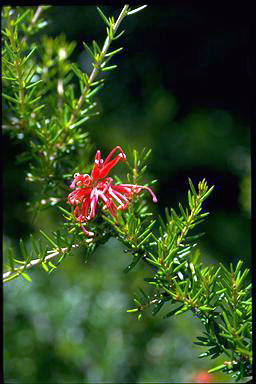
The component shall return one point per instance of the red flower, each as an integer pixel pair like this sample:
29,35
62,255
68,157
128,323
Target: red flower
89,189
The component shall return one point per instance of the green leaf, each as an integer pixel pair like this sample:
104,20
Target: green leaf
78,72
202,215
178,221
179,267
184,309
26,276
33,84
9,78
22,16
106,21
153,262
178,289
10,98
48,238
29,55
11,258
45,267
201,338
24,251
220,291
64,210
134,262
157,307
142,235
144,240
173,312
89,51
190,201
183,252
205,308
238,266
120,34
207,193
227,321
95,90
143,293
29,73
79,122
185,291
110,30
137,302
57,135
192,187
218,368
239,313
38,108
21,262
96,48
113,52
104,69
240,280
182,211
152,256
34,100
52,265
5,33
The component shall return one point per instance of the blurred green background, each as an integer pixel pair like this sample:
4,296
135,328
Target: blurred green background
181,89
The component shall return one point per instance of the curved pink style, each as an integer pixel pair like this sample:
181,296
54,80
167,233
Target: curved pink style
101,168
89,190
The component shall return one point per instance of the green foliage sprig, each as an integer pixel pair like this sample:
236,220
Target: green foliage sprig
47,102
42,108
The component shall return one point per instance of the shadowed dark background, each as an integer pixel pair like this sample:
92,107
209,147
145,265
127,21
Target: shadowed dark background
181,88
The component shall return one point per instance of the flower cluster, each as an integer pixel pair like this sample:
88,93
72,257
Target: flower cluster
89,190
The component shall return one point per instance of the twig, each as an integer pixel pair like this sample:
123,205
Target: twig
34,262
33,22
97,66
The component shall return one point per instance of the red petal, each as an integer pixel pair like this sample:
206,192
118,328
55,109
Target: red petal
97,165
109,164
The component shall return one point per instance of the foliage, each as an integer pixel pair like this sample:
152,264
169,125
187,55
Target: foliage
47,102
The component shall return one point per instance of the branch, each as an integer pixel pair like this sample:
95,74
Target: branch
7,276
97,66
33,22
